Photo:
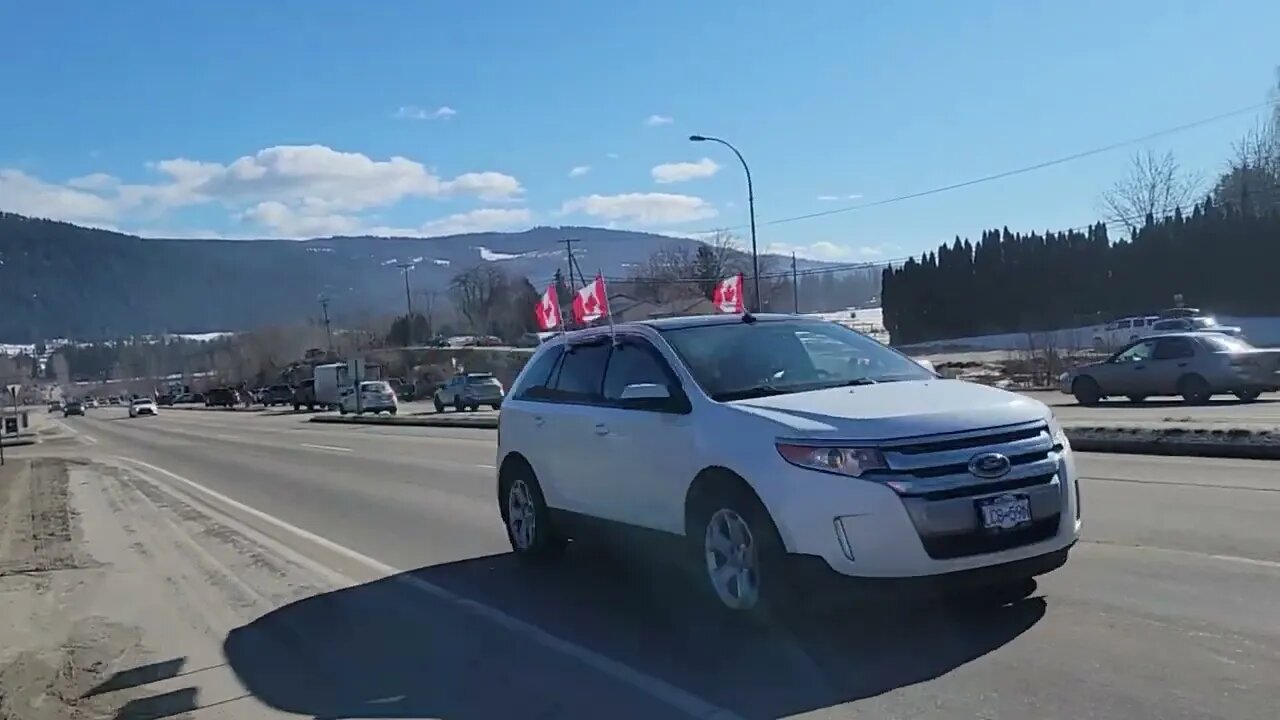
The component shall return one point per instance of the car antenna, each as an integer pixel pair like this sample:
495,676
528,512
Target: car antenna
748,318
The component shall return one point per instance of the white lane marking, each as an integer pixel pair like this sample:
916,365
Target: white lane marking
681,699
486,467
87,440
1192,553
334,448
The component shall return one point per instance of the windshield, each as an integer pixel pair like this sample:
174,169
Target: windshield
1204,322
743,360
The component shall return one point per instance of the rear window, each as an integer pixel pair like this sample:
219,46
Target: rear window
1226,343
481,379
375,387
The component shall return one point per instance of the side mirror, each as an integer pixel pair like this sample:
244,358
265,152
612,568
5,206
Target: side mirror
927,365
645,391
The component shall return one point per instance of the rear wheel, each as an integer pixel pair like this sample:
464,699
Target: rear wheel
1137,398
458,405
1194,390
439,405
1247,395
1086,391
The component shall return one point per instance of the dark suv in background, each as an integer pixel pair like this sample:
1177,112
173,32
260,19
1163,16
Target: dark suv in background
222,397
276,395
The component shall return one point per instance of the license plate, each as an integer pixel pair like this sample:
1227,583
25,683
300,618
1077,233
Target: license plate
1005,512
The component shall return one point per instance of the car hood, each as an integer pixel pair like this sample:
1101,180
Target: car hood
894,409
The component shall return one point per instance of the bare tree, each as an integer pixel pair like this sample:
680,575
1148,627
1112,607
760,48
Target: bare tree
61,371
1251,182
683,270
1155,187
477,293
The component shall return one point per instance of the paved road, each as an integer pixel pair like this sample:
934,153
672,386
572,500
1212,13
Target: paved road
1166,610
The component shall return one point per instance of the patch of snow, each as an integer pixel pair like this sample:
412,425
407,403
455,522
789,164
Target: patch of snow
319,249
491,256
392,261
439,261
416,260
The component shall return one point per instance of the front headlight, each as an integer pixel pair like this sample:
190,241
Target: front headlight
853,462
1059,435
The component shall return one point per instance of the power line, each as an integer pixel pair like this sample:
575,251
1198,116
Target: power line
1011,173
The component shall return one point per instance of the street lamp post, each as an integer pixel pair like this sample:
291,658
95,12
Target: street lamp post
751,209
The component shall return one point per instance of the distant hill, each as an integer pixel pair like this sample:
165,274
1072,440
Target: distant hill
63,280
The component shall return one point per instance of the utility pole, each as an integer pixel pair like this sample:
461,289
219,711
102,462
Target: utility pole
324,304
795,285
568,249
408,301
430,295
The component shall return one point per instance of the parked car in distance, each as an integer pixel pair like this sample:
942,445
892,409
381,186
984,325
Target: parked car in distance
140,406
403,390
1195,365
376,396
113,400
279,394
775,465
1122,331
1193,324
222,397
72,407
55,406
469,391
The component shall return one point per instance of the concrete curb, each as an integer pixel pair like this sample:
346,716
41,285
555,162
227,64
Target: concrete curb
1228,443
1239,443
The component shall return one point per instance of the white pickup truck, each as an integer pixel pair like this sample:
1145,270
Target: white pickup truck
1122,331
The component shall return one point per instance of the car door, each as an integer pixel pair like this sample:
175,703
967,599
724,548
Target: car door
1126,373
1170,360
573,456
647,444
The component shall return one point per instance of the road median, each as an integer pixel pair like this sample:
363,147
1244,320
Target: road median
1233,442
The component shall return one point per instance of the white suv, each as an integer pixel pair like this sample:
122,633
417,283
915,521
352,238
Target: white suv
775,449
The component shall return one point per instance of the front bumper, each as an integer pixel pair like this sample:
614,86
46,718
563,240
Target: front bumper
864,529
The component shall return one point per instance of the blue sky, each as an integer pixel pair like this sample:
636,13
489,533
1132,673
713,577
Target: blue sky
294,118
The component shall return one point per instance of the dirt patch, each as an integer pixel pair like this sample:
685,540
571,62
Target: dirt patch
35,518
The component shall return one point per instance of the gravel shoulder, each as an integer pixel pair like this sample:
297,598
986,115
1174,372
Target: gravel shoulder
115,597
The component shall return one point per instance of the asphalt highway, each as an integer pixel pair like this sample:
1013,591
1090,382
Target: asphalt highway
1167,609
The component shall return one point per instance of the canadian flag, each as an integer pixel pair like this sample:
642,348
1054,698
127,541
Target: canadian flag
727,297
547,311
591,302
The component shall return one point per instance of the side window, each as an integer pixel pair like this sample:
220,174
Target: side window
533,385
1173,349
1122,325
633,362
581,374
1137,353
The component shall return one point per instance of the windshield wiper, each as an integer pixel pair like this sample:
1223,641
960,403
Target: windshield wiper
749,393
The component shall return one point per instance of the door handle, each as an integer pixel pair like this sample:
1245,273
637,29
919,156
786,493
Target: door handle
602,429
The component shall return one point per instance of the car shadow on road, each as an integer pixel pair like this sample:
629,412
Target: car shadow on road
389,649
1179,403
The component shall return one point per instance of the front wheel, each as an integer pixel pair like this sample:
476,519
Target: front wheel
1137,398
1247,395
527,518
740,554
1086,391
458,405
439,405
1194,390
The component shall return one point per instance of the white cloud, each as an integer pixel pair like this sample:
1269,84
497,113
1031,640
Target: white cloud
481,220
658,120
579,171
20,193
642,208
832,198
285,221
684,171
612,155
833,252
413,112
94,181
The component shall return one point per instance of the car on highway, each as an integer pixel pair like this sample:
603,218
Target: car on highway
55,406
778,453
72,407
222,397
113,400
1195,365
469,391
376,396
1193,324
278,394
141,406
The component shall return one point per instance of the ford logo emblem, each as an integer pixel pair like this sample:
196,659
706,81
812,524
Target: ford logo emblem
989,465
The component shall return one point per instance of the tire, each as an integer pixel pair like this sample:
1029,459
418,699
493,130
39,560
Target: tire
526,517
729,528
496,405
1137,398
342,411
1194,390
297,407
458,405
1086,391
1247,395
392,411
474,407
439,405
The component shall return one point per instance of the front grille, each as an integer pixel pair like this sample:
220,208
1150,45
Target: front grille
984,488
946,547
977,441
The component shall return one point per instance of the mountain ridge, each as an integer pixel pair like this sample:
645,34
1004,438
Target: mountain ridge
58,279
